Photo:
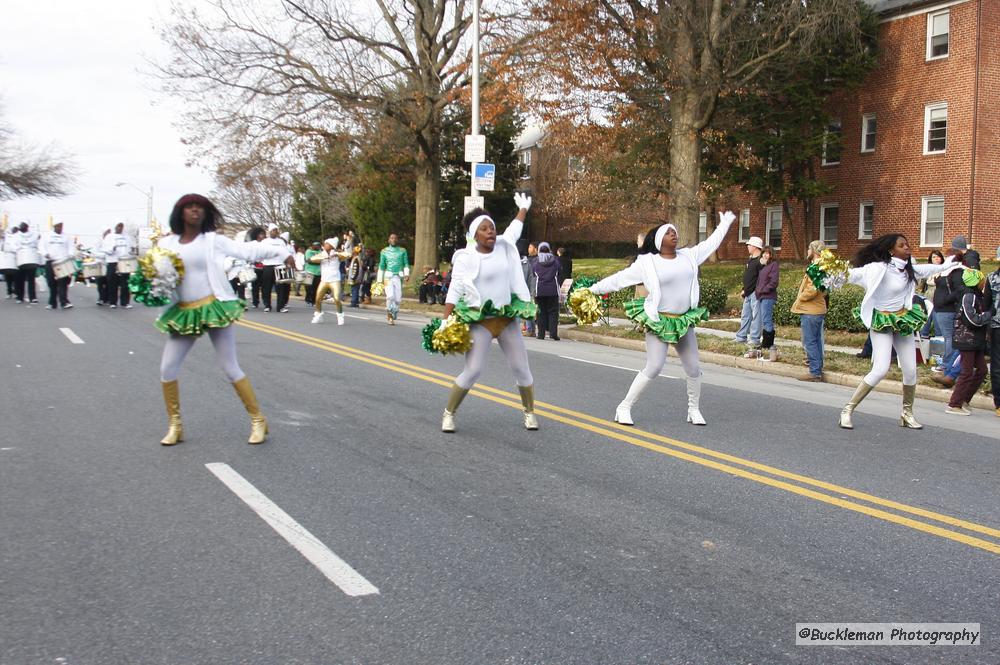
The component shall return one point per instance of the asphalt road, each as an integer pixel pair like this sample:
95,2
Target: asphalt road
584,542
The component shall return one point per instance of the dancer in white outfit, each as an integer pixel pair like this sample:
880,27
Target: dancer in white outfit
489,293
670,312
889,277
206,302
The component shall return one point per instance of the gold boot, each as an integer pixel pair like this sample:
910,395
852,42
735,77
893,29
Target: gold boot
906,419
172,399
859,394
258,423
454,399
528,401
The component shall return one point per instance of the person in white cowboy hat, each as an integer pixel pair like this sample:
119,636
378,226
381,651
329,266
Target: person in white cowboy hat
749,331
670,312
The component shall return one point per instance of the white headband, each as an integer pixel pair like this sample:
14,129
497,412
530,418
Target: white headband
471,237
660,232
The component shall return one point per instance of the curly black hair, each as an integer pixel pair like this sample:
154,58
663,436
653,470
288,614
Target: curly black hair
880,250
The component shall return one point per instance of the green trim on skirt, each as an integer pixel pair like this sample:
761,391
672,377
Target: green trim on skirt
907,324
669,329
216,314
517,309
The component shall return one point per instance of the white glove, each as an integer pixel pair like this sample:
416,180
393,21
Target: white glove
443,324
949,260
727,217
523,201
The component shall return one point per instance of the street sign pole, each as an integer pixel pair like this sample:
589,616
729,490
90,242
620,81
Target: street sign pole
475,86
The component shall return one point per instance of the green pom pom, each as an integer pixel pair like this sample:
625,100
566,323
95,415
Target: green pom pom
427,335
139,286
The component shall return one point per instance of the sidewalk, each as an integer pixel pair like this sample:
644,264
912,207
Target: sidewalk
582,334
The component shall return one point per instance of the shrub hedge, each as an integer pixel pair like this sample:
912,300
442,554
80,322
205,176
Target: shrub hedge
838,315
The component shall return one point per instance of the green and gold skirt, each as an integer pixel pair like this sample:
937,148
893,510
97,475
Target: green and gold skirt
517,309
192,318
904,322
671,327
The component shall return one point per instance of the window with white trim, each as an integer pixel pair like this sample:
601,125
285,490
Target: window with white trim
744,231
524,164
935,128
831,143
829,223
938,34
866,220
702,226
773,230
932,221
868,132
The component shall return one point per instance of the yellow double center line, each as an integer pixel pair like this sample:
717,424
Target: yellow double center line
812,488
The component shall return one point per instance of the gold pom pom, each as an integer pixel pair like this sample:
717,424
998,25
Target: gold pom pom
378,289
453,338
148,261
585,306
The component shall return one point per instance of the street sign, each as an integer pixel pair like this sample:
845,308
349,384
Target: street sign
475,148
473,202
484,177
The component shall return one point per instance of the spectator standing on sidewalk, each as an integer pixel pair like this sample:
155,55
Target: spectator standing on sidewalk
528,268
948,290
767,296
749,332
994,286
546,273
354,275
565,264
972,325
926,289
810,304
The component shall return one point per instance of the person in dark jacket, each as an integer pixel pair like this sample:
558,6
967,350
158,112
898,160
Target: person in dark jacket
749,332
971,329
968,257
565,264
767,296
993,280
528,268
948,289
546,271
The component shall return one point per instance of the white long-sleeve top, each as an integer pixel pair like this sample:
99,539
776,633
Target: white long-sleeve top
55,246
329,265
27,248
672,283
117,246
215,248
8,252
498,273
890,292
279,249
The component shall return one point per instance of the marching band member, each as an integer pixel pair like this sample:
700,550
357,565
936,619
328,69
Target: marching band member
393,269
117,246
329,260
889,277
233,267
99,254
56,247
670,312
28,260
206,302
487,280
8,259
277,255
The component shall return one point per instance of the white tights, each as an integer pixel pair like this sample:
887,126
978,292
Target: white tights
177,347
512,345
656,355
906,354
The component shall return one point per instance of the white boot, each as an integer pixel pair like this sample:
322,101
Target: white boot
694,396
623,414
340,318
318,317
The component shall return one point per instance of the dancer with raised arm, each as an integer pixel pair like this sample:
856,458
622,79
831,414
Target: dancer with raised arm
884,269
205,301
488,292
671,310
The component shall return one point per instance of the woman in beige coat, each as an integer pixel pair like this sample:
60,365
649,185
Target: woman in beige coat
810,305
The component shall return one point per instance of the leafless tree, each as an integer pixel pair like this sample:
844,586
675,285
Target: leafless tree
254,192
302,68
32,170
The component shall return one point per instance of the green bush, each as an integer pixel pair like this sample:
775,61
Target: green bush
713,295
838,314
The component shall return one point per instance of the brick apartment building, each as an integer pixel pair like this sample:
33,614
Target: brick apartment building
920,142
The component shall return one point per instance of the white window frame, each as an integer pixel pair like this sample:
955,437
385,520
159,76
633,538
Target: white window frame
767,225
861,220
524,164
838,123
743,237
928,109
702,226
923,220
930,28
831,243
865,120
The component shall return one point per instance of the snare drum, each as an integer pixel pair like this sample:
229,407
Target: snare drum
63,269
128,265
302,277
284,275
94,269
247,275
